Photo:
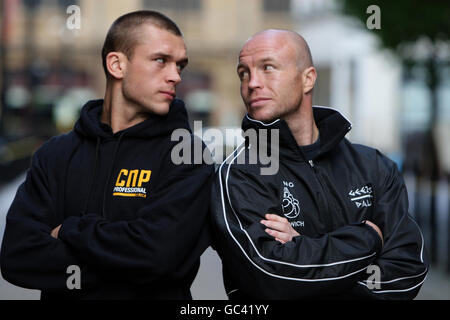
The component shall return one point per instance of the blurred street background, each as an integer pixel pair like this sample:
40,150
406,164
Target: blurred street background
384,64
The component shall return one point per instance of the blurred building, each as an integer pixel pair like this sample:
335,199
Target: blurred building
47,67
51,70
386,103
354,75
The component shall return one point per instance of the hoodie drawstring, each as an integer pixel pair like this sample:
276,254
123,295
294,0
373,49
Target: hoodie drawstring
110,174
91,182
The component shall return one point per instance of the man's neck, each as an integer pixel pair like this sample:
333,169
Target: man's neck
117,113
303,126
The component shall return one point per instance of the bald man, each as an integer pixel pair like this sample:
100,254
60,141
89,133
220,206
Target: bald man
333,221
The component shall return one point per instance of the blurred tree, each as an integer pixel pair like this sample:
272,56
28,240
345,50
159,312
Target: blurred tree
418,32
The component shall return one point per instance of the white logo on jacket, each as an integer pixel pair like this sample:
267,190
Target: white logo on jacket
361,197
290,205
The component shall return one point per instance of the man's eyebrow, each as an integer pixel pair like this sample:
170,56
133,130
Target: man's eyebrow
161,55
260,61
268,59
240,66
183,62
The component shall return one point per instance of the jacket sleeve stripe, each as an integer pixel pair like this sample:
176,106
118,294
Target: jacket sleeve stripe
421,236
421,259
402,278
395,280
397,290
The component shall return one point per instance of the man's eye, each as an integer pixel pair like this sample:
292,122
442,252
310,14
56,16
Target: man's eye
160,60
268,67
243,74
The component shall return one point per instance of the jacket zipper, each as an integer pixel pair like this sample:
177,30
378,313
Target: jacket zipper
323,204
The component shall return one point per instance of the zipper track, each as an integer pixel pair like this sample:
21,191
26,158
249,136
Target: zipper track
324,206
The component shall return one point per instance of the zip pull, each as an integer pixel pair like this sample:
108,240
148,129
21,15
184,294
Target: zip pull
311,163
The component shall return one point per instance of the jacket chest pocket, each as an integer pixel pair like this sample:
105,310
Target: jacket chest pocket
361,200
352,204
343,203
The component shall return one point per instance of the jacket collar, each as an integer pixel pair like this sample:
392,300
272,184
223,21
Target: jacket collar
332,125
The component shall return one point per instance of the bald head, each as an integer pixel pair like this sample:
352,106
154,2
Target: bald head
277,75
283,38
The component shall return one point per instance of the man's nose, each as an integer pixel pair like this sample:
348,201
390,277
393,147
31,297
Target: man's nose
255,81
174,74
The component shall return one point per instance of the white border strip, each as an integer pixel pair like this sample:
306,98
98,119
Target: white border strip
395,280
264,124
403,278
398,290
314,106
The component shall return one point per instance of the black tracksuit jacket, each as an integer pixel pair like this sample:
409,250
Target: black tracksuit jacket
132,221
326,199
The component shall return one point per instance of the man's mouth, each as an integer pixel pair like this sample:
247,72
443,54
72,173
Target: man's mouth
256,102
169,94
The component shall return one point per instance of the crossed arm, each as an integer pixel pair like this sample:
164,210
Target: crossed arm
280,228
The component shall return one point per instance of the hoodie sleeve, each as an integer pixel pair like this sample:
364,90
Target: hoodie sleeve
166,239
264,268
401,268
30,256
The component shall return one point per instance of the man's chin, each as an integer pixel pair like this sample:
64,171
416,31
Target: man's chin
160,110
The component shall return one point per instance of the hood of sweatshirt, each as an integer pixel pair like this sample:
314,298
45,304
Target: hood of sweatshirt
90,126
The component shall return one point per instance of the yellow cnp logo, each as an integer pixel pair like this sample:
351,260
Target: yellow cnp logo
129,183
130,177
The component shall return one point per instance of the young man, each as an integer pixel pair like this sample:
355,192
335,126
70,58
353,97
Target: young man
333,221
104,202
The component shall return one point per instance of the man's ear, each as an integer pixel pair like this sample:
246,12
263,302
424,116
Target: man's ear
116,64
309,79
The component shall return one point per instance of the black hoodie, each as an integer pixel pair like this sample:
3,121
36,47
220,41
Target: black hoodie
132,220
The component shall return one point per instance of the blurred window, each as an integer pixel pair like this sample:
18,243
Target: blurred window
277,5
444,96
415,112
322,89
173,4
32,4
66,3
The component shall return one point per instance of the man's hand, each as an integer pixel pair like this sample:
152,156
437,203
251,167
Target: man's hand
279,228
55,232
375,227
